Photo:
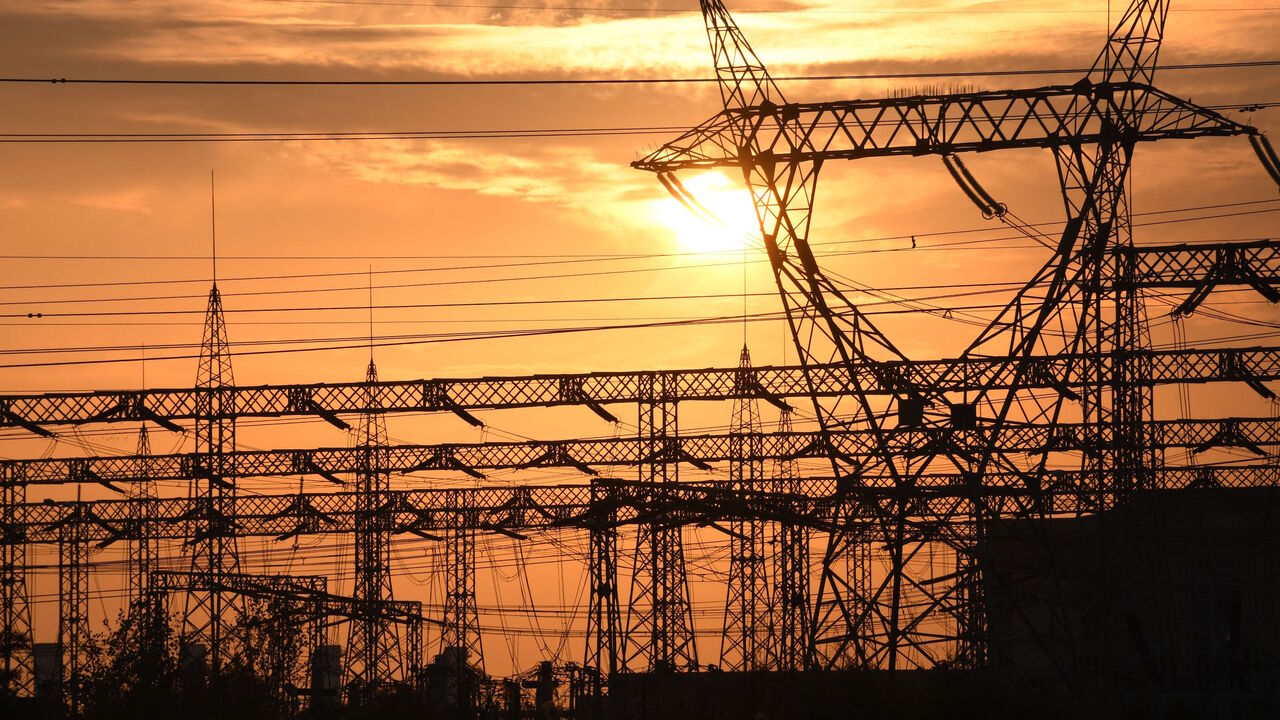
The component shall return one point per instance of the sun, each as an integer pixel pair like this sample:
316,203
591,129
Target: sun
729,220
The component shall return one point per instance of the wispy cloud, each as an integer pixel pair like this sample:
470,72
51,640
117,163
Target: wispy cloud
134,201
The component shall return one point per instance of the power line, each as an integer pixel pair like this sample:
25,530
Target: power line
759,11
990,288
962,244
602,81
905,304
538,256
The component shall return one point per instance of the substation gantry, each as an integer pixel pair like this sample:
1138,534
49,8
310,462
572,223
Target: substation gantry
922,453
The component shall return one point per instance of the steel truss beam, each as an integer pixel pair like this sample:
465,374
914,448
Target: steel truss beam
782,134
699,450
1260,261
428,513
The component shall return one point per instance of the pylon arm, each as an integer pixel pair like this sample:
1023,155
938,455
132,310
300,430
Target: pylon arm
27,425
1044,117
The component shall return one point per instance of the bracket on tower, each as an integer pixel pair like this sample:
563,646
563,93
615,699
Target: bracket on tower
26,424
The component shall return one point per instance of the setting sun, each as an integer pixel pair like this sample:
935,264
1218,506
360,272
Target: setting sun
731,223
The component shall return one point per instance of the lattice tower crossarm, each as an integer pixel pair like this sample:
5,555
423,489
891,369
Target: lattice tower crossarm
553,506
1064,440
1200,267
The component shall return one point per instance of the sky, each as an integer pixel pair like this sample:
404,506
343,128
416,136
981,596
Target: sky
112,241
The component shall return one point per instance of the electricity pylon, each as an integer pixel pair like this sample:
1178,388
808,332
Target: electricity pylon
748,622
374,654
873,610
213,539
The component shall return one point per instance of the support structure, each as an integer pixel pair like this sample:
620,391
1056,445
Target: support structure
604,623
659,618
1201,267
374,654
749,630
16,647
461,616
73,600
213,542
874,607
790,571
144,548
287,634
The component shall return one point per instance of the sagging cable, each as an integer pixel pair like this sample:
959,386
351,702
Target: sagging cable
1267,156
977,194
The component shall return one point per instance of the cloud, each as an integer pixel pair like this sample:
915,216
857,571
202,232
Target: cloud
485,43
121,201
571,177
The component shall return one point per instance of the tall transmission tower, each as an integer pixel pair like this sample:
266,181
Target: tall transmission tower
873,609
374,647
214,551
748,622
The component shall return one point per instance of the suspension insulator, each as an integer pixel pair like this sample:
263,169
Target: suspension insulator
685,198
1266,155
977,194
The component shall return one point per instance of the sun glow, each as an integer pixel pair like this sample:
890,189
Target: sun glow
732,222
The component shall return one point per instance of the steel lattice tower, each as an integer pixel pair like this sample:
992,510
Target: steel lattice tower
748,622
461,616
73,598
659,617
373,646
15,613
603,619
214,552
872,608
790,570
144,549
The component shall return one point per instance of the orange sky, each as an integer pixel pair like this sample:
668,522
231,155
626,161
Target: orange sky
462,221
